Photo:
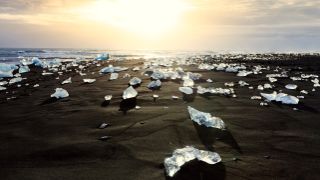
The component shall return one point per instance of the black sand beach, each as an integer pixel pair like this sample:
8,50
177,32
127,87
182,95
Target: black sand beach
42,138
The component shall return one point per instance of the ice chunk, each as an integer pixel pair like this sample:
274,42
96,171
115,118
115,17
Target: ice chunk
89,81
37,62
2,88
186,90
114,76
15,80
157,75
135,81
108,97
130,92
205,119
136,69
188,83
102,57
60,93
7,67
24,69
209,80
6,74
36,85
111,69
255,97
244,73
243,83
175,97
67,81
2,83
154,84
291,86
271,79
181,156
281,97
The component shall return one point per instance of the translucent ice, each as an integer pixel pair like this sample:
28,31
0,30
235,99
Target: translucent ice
102,57
67,81
154,84
291,86
130,92
135,81
24,69
281,97
181,156
2,88
188,83
60,93
186,90
205,119
89,81
114,76
108,97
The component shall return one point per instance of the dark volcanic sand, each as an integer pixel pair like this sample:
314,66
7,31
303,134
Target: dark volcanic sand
44,139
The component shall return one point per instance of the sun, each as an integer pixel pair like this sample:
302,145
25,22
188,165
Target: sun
143,17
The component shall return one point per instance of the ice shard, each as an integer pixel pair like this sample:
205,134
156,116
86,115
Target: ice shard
135,81
130,92
205,119
154,84
181,156
67,81
60,93
186,90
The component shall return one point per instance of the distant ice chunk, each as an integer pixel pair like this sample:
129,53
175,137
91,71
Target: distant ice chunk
291,86
244,73
6,74
15,80
60,93
154,84
89,81
114,76
102,57
206,119
67,81
186,90
181,156
209,80
24,69
111,69
135,81
37,62
157,75
2,88
130,92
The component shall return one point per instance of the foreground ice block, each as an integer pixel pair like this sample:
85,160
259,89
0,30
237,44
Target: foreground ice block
60,93
181,156
130,92
205,119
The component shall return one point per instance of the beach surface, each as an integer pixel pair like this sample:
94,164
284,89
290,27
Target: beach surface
42,138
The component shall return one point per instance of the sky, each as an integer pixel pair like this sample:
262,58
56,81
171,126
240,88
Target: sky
235,25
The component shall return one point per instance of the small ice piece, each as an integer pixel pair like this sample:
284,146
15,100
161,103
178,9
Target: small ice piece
269,97
36,85
230,84
130,92
37,62
209,80
155,96
103,125
174,97
304,92
60,93
154,84
2,88
135,81
256,97
136,69
46,73
291,86
243,83
271,79
188,83
5,74
102,57
250,87
244,73
260,87
114,76
108,97
15,80
104,138
264,104
181,156
89,81
67,81
138,107
186,90
24,69
126,75
3,83
157,75
206,119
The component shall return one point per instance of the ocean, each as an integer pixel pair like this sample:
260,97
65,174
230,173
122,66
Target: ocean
14,55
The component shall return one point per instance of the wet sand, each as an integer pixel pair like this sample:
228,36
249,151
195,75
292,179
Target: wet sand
45,139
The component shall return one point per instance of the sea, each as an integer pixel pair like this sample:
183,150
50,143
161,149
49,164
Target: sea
14,55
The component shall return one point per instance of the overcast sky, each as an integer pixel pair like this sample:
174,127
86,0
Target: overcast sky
238,25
